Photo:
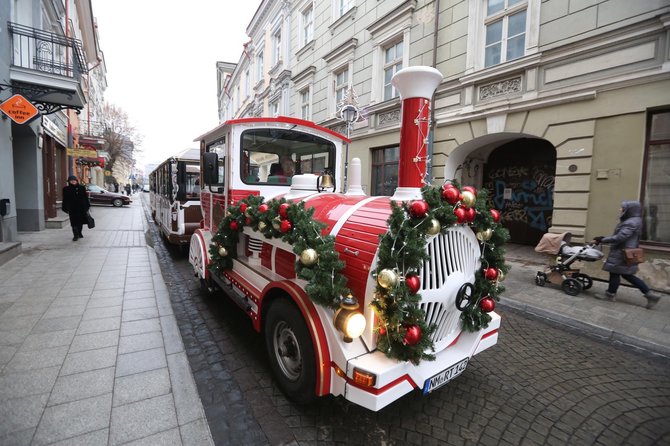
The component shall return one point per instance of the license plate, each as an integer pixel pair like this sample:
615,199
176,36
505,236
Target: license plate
444,376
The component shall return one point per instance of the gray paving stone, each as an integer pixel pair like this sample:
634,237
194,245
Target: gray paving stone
70,292
36,359
97,325
64,311
171,335
139,314
90,439
83,385
17,323
138,342
196,433
105,302
56,324
145,302
141,419
98,294
92,341
31,382
111,285
63,301
138,294
137,327
19,414
138,280
143,361
89,360
19,309
101,313
187,401
139,287
21,438
14,337
73,419
169,437
141,386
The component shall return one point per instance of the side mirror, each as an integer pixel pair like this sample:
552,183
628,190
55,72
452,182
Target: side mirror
210,166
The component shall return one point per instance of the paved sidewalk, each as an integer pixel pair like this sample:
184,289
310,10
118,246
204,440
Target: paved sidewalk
90,351
626,321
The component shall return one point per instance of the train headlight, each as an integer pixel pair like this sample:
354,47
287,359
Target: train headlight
348,319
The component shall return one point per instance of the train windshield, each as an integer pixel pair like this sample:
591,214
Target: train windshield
273,156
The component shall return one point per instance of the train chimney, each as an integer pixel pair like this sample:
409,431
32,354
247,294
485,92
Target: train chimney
416,86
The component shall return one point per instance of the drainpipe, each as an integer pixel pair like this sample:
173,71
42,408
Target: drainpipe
431,128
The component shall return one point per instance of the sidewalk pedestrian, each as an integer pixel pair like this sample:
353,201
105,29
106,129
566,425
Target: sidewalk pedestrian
626,235
76,205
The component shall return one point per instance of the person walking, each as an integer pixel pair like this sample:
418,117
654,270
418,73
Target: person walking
76,205
626,235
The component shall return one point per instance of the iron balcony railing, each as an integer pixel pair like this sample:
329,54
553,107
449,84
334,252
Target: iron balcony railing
46,52
91,128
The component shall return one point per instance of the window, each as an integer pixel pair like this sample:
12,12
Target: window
247,83
505,25
259,67
385,170
276,47
274,109
304,104
341,85
307,25
392,64
342,6
656,184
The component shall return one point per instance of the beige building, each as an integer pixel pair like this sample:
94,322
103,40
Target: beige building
561,109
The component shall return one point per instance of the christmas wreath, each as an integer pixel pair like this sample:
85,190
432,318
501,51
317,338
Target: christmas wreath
403,332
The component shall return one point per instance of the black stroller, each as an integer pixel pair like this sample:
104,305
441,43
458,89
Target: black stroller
571,280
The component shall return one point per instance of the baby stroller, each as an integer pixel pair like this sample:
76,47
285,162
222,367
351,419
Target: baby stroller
571,280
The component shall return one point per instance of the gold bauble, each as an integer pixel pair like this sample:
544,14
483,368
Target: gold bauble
501,275
434,227
308,257
276,223
387,278
262,225
468,198
485,235
223,251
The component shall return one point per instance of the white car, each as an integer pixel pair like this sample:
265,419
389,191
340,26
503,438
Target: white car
146,188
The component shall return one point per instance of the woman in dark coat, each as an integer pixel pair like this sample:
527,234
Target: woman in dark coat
76,205
626,235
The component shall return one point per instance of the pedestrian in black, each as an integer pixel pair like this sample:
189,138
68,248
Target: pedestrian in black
76,205
626,235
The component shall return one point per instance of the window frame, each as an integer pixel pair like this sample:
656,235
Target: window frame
306,26
341,7
305,104
646,174
373,165
393,64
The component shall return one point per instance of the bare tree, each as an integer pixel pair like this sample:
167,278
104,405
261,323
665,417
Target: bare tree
121,137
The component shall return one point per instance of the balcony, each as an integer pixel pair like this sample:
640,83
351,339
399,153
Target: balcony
46,68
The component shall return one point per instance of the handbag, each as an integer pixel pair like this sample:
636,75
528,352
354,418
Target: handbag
633,256
90,221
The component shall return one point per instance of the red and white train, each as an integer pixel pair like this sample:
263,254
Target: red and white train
286,158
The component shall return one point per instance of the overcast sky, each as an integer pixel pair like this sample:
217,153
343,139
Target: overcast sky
161,64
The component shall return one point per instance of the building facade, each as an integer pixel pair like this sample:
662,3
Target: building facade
559,109
48,50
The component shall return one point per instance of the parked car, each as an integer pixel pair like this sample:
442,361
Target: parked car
98,195
146,188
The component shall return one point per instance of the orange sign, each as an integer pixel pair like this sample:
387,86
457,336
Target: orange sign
19,109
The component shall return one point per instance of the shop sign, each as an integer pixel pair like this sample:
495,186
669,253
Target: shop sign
52,129
83,153
19,109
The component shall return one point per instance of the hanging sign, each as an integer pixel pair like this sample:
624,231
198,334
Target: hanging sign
19,109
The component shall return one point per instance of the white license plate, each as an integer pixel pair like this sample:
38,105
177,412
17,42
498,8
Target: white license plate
444,376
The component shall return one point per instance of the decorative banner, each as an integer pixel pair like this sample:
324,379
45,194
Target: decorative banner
19,109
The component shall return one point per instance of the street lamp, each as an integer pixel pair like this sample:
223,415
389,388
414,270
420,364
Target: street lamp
349,113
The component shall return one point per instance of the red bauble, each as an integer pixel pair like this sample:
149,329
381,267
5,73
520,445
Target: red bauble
413,283
413,335
470,214
451,194
496,215
283,210
285,226
248,221
471,189
418,209
382,331
263,208
491,273
461,215
233,225
243,207
487,304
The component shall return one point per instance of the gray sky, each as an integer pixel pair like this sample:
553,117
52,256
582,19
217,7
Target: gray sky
161,64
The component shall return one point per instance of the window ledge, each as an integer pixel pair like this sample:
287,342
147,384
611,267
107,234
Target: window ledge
502,69
349,15
309,46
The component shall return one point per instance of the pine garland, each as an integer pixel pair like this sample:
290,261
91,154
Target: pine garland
326,285
403,251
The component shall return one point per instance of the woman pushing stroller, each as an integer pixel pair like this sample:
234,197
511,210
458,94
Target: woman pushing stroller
626,235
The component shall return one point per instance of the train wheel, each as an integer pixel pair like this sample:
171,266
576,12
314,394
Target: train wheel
290,350
584,279
571,287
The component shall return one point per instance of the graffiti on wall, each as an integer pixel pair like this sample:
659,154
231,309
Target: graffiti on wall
524,194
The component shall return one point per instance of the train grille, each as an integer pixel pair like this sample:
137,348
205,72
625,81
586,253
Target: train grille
453,260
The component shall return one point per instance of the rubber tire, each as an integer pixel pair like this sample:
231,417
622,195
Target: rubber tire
117,202
297,380
540,279
571,287
584,279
